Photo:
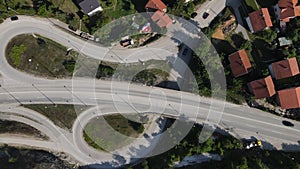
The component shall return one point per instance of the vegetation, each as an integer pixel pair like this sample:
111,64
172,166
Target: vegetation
61,115
14,127
255,159
230,150
252,4
16,53
109,139
40,56
142,72
190,145
20,158
208,31
268,3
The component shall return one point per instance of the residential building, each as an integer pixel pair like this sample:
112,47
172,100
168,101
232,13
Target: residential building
239,63
285,68
161,19
287,9
259,20
289,98
262,88
156,5
90,7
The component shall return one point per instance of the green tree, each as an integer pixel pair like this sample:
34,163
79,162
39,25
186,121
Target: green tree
42,11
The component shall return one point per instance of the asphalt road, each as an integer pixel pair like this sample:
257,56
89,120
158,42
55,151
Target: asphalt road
20,88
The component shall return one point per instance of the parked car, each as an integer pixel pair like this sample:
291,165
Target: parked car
287,123
14,18
252,144
205,15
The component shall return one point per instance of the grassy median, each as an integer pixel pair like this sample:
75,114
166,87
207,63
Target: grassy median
40,56
98,135
61,115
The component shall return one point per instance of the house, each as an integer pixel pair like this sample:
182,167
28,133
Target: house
262,88
285,68
239,63
156,5
90,7
159,16
259,20
289,98
161,19
287,9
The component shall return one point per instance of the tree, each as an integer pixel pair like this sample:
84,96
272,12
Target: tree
268,35
42,11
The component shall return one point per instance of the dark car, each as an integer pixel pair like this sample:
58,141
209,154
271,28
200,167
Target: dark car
287,123
205,15
14,18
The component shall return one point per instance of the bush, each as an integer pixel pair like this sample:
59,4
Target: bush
16,54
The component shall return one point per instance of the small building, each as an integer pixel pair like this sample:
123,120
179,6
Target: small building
262,88
161,19
239,63
156,5
283,41
259,20
285,68
289,98
90,7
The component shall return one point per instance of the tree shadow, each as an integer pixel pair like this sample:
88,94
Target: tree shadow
223,46
291,147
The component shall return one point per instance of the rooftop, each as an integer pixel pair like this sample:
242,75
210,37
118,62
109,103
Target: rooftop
262,88
259,20
289,9
156,4
90,7
161,19
239,63
283,41
289,98
285,68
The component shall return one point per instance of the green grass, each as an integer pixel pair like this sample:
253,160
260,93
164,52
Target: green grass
102,137
16,53
61,115
14,127
66,5
40,56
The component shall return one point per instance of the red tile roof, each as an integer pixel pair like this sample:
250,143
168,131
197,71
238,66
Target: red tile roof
156,4
289,9
285,68
260,19
289,98
262,88
239,63
162,19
